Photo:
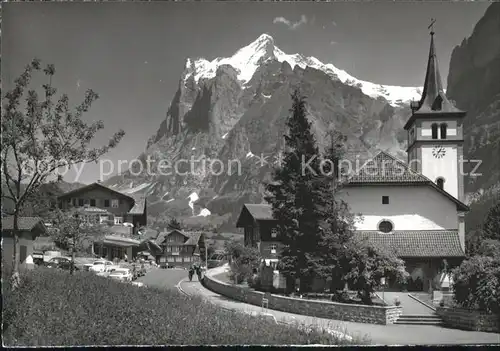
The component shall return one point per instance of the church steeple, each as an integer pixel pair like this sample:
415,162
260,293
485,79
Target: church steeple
433,98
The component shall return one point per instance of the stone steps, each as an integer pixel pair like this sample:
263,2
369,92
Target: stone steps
430,319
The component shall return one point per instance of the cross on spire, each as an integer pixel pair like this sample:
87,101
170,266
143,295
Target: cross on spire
431,26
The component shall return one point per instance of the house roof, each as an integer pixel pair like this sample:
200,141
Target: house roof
120,241
419,243
139,200
385,169
139,204
24,223
149,234
91,186
261,212
161,238
120,229
192,237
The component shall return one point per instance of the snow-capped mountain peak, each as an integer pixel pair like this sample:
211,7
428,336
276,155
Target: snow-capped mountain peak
247,59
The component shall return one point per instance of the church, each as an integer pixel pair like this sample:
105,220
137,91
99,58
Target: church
417,207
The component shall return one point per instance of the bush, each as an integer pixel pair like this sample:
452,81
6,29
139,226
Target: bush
368,264
476,283
53,308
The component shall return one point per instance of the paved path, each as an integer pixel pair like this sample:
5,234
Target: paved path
410,306
163,278
378,334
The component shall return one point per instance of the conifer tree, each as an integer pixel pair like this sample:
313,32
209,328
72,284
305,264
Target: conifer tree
174,224
338,228
491,225
297,201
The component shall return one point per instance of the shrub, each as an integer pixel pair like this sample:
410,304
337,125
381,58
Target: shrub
244,261
368,264
54,308
476,283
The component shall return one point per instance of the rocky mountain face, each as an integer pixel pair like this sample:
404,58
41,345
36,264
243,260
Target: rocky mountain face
231,113
474,84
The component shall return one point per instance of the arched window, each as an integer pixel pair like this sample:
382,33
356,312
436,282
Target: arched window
440,182
438,103
434,131
443,128
385,226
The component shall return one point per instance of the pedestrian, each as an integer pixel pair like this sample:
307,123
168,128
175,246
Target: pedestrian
198,272
191,273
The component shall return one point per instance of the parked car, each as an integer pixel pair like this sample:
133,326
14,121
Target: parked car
121,274
102,266
38,258
60,263
140,284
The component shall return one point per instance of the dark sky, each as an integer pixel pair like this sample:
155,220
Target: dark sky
132,54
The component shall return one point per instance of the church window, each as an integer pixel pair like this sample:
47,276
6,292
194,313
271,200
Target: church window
385,226
385,200
440,183
443,128
434,131
438,103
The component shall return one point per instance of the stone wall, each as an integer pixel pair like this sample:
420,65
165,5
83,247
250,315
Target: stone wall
321,309
469,319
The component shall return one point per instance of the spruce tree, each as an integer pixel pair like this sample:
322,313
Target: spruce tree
297,202
338,227
491,225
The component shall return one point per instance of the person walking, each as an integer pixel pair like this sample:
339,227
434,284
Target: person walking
191,273
198,272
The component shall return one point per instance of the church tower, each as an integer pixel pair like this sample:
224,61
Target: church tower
435,133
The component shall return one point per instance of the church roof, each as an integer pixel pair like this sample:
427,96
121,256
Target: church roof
417,243
433,100
385,169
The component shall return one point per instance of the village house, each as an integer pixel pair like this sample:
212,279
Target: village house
180,249
124,213
99,204
417,208
29,229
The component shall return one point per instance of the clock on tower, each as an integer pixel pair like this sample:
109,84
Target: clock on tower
438,151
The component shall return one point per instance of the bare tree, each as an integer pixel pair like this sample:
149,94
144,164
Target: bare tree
39,138
73,232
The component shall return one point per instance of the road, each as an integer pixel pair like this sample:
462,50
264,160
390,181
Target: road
164,278
378,334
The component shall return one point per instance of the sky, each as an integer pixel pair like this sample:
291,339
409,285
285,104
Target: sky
133,54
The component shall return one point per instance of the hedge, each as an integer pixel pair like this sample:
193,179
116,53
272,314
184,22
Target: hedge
476,284
53,308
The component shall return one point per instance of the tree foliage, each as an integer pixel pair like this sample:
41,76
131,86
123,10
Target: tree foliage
174,224
73,233
491,225
41,135
243,260
314,222
476,284
297,196
368,264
